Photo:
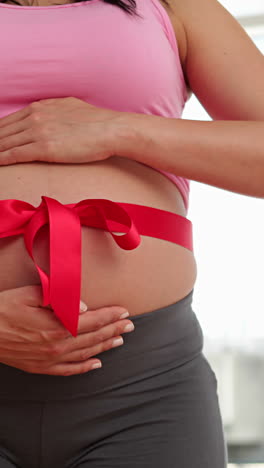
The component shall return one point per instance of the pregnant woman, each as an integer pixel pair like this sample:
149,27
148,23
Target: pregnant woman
95,170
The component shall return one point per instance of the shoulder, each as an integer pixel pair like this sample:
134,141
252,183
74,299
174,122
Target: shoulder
222,65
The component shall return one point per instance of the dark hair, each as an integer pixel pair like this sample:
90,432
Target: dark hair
130,8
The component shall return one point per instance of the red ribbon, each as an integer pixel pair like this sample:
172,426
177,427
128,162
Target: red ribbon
62,290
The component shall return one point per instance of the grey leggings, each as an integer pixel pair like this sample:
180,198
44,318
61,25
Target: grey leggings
153,404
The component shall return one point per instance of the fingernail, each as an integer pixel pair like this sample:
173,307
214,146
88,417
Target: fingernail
117,342
129,327
124,315
97,365
83,306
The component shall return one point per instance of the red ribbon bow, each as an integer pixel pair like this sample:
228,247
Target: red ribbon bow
62,289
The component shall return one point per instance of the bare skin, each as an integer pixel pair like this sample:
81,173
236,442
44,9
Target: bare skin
160,272
33,340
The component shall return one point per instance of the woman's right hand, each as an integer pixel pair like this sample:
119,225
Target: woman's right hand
34,340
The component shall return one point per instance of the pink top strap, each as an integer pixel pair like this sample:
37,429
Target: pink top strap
62,290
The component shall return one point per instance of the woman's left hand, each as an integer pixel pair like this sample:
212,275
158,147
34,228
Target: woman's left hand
61,130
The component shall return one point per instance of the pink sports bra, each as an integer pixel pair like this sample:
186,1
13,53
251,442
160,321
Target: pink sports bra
96,52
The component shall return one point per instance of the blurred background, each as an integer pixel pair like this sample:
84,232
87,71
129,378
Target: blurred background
228,299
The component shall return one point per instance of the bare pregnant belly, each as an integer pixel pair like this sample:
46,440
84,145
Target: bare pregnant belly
155,274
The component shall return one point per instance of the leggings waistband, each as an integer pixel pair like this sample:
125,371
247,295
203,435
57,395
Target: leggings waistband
162,340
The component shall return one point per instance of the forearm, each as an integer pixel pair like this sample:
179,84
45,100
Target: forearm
225,154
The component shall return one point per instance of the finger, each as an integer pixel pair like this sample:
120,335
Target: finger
63,369
68,349
96,319
78,348
12,129
83,307
14,117
90,339
17,136
69,368
25,153
83,354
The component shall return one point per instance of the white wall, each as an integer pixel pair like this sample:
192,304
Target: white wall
243,7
